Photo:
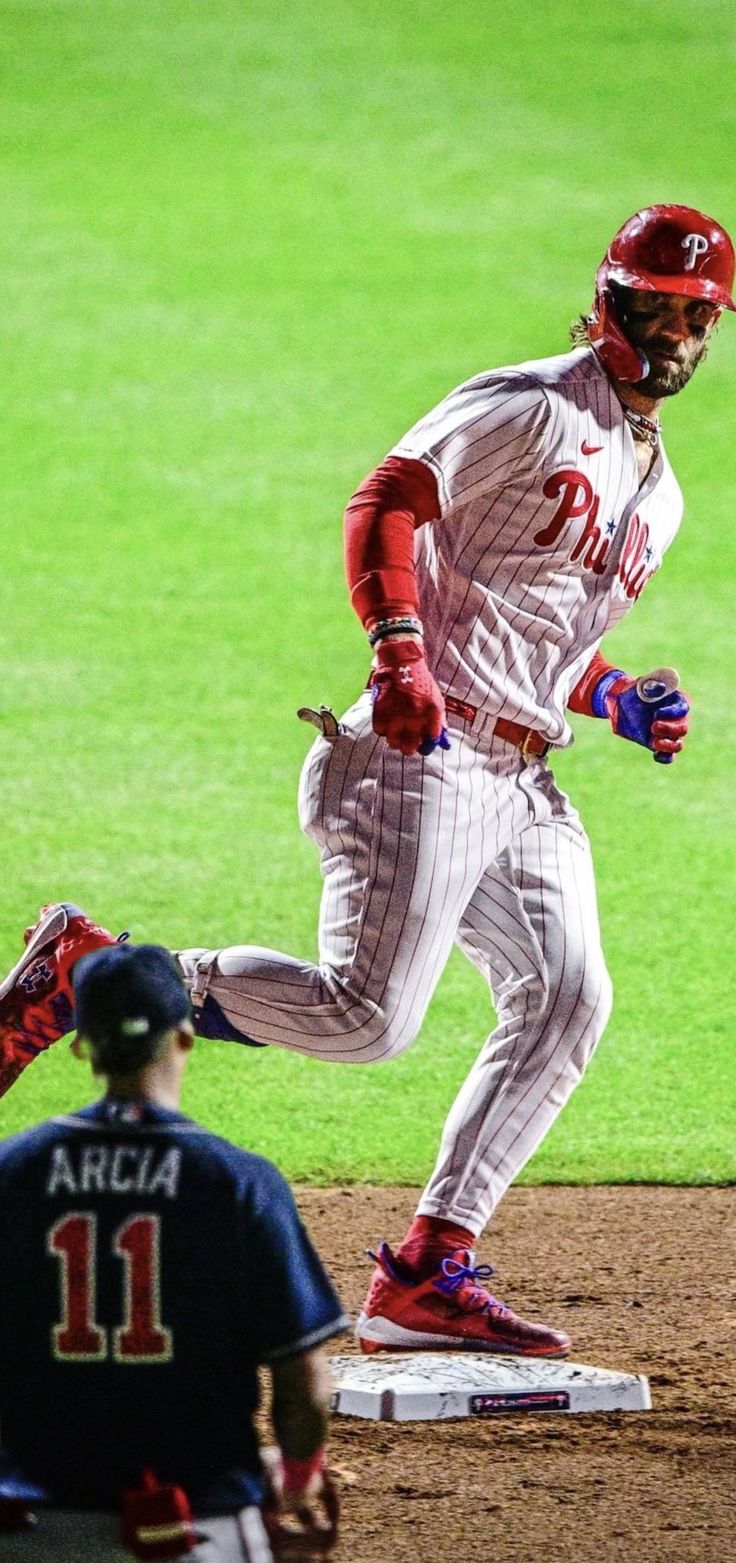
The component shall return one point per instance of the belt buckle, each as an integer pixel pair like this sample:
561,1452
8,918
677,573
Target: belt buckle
528,753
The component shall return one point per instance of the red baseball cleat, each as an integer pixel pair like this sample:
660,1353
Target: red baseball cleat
36,1006
448,1310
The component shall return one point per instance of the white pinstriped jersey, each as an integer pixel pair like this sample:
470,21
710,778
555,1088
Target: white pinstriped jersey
544,538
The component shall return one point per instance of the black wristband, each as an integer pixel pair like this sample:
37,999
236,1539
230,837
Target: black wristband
406,626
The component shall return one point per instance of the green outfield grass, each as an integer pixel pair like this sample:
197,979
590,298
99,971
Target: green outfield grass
243,248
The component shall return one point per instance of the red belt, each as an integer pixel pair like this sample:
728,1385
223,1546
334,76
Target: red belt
524,738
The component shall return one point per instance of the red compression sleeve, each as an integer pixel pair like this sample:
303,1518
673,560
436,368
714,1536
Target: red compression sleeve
380,521
581,699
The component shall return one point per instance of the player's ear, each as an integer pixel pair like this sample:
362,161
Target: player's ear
185,1036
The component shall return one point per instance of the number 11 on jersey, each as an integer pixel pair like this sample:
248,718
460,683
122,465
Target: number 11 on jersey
78,1337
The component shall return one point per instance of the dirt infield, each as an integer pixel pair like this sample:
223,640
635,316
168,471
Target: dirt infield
643,1279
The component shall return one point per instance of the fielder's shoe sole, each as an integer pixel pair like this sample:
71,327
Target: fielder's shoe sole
54,920
36,1007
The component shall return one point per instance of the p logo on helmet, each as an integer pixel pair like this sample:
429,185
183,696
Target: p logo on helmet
696,244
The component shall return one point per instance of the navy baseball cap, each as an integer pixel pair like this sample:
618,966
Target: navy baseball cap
128,991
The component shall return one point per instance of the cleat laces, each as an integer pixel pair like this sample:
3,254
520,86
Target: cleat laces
461,1282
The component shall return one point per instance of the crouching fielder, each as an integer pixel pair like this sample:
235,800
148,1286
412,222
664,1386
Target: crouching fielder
149,1267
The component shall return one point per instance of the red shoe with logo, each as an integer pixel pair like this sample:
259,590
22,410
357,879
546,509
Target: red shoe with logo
447,1311
36,1005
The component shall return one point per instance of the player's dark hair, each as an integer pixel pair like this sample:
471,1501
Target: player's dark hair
579,327
579,331
127,998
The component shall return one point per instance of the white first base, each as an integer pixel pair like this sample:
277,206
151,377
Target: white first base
430,1386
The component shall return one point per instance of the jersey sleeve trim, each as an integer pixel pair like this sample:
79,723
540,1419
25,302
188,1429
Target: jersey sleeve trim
306,1342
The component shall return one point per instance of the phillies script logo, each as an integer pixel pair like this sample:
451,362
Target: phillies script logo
577,501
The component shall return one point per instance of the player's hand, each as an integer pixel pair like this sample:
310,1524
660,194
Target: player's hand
660,723
303,1524
408,709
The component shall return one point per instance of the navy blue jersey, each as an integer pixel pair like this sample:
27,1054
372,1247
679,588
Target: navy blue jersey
147,1268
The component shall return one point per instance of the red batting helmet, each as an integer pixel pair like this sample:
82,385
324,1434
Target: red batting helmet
662,249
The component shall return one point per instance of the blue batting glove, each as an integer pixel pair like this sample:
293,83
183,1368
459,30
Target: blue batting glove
658,723
430,744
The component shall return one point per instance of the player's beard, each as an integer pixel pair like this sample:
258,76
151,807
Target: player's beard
671,372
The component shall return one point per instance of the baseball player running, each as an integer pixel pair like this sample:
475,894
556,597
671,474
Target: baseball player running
148,1268
487,556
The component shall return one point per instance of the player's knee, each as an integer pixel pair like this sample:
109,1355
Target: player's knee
596,999
590,1016
586,1027
582,995
389,1033
370,1030
524,1001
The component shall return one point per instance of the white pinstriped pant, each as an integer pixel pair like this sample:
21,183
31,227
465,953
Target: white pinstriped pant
474,846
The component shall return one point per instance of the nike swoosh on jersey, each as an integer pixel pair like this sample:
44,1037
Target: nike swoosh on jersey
590,450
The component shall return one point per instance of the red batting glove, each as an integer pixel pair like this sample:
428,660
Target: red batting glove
408,709
670,726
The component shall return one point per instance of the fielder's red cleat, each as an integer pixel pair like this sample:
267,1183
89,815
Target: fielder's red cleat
36,1006
447,1311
